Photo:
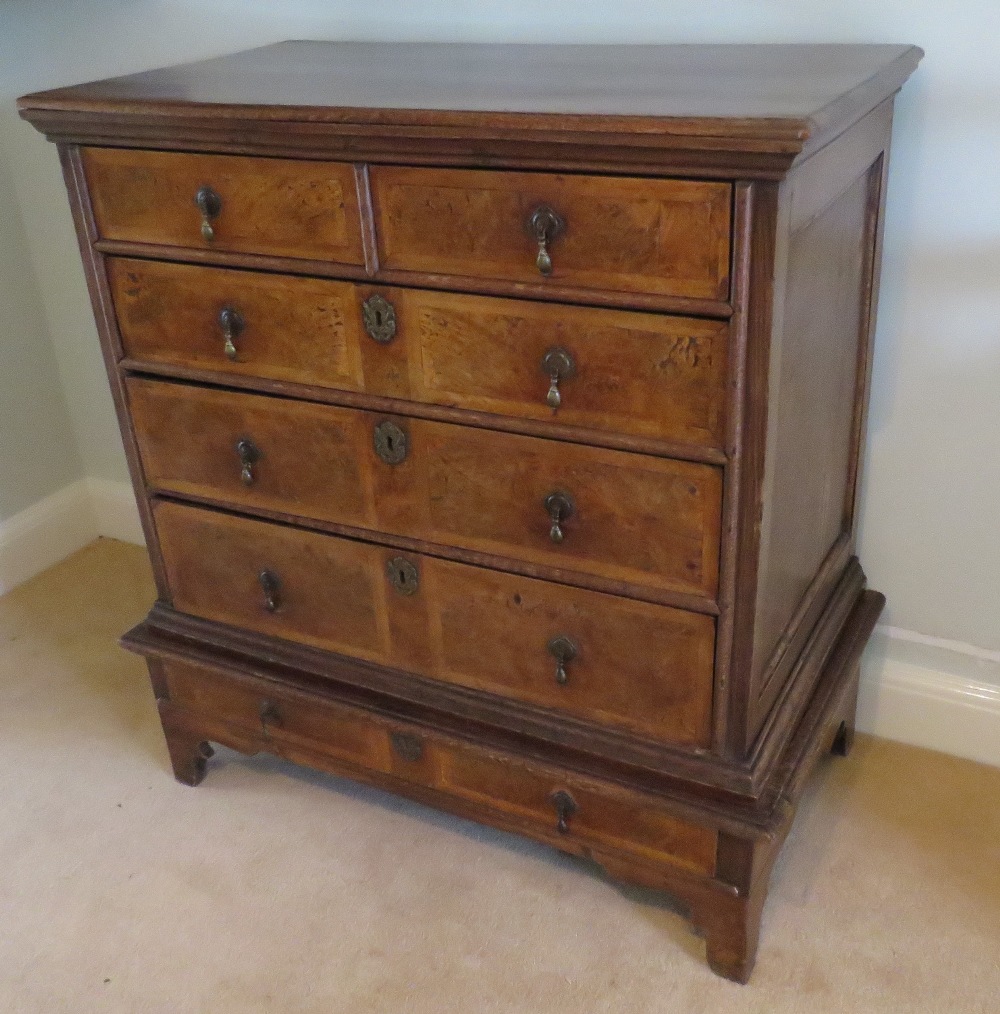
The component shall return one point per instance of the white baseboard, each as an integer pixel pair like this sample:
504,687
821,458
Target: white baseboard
45,533
943,695
115,511
48,531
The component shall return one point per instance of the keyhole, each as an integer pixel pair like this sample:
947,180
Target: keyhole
403,575
378,318
389,443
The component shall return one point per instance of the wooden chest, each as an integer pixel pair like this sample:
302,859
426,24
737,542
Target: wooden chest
495,416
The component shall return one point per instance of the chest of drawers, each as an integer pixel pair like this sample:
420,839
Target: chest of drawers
495,416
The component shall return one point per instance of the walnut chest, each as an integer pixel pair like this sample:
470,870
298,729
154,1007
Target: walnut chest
495,415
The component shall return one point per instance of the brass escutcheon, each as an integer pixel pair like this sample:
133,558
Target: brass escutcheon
403,575
379,318
391,444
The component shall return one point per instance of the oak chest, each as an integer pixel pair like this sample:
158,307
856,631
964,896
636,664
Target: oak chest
495,415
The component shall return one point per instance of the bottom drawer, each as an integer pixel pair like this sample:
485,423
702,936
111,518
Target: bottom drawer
537,799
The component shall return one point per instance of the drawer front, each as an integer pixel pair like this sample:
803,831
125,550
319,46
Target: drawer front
646,521
664,237
280,327
273,206
650,375
643,667
535,798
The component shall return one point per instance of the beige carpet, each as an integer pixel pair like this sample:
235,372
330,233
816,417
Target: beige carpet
270,888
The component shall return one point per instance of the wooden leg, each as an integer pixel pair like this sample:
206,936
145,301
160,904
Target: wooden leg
189,753
732,934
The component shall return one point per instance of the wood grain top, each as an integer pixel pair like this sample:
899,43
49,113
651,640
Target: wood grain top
776,97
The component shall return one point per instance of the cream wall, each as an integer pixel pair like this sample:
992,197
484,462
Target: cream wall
932,484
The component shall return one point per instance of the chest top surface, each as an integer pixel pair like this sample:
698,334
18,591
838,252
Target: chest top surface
786,98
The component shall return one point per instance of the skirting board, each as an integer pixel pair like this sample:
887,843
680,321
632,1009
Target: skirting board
48,531
932,693
943,695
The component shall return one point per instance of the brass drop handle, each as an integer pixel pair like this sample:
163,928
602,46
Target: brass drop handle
269,714
544,226
559,506
210,205
271,586
407,746
565,806
249,456
232,325
563,649
558,365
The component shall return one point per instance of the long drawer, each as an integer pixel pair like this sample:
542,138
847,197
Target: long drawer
650,375
646,521
668,237
643,667
528,796
274,206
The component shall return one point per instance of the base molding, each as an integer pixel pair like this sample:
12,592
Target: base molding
932,693
63,522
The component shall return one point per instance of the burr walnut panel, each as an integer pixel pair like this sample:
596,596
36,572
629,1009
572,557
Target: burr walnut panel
643,667
638,373
646,521
668,237
287,328
644,374
276,206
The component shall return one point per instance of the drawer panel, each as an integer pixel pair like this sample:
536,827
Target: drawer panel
646,521
274,206
286,327
599,814
256,704
650,375
666,237
505,789
643,667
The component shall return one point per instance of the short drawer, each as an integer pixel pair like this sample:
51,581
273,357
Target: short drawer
630,518
527,796
620,234
644,374
642,667
272,206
